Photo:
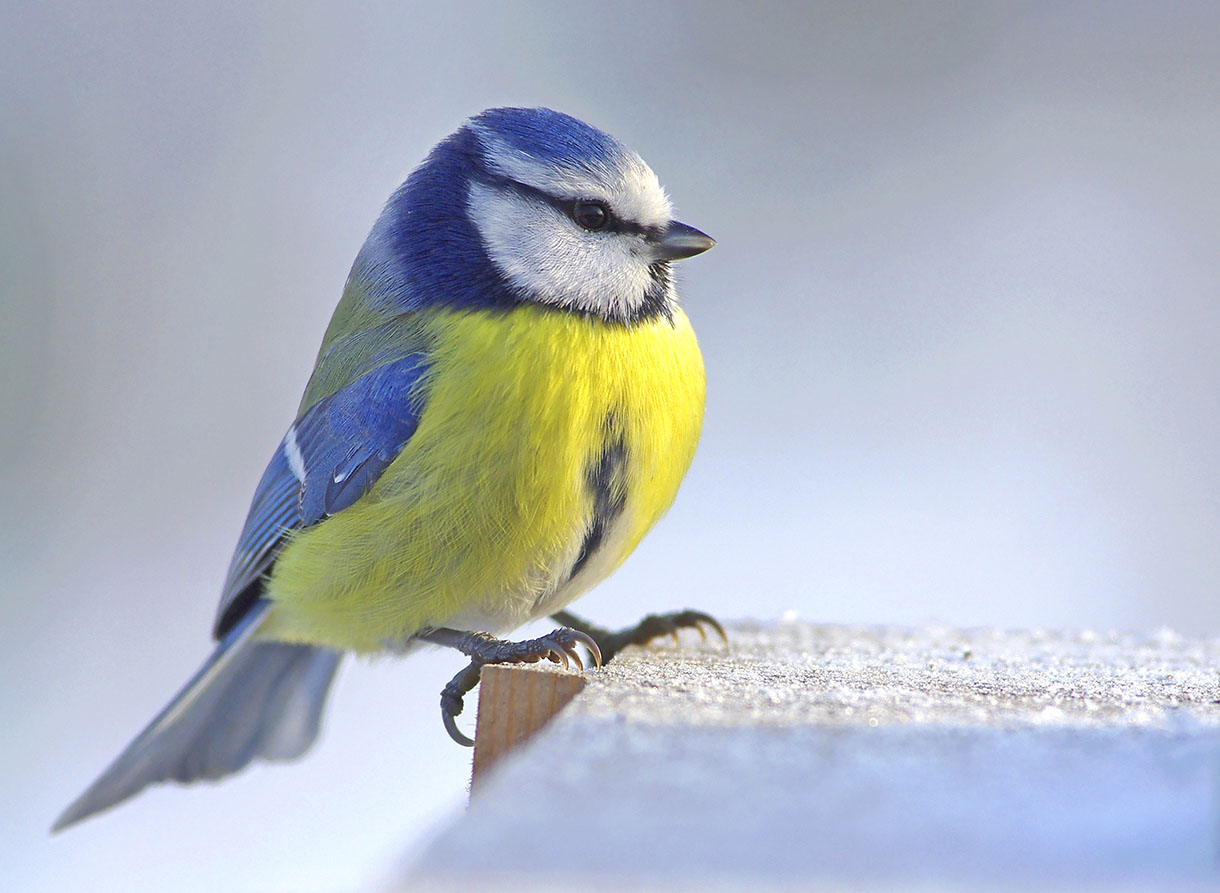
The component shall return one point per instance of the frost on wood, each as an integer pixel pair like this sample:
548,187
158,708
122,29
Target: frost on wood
825,752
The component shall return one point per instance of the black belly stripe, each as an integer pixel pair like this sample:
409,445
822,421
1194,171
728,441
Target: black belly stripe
606,478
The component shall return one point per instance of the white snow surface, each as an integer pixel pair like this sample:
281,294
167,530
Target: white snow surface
817,756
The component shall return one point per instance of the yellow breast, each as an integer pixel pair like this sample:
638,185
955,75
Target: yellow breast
542,431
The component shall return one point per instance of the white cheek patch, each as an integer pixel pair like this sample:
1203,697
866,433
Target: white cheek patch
549,259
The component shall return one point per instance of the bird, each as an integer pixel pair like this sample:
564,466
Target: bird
505,401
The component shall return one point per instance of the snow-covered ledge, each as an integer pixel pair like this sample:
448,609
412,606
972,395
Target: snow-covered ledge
817,755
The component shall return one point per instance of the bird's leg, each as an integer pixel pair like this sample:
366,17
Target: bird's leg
558,645
654,626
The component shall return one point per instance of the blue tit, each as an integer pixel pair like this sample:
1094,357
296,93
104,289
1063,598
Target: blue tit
505,401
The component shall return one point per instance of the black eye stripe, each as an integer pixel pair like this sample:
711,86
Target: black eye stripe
567,207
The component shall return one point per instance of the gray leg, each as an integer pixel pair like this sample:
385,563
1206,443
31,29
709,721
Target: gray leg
654,626
558,646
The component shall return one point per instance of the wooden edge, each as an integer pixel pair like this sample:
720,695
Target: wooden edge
515,701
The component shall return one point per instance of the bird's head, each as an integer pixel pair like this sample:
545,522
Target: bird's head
529,205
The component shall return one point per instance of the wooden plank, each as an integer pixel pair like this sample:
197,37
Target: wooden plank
515,701
956,759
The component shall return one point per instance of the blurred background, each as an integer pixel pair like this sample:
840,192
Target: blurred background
961,331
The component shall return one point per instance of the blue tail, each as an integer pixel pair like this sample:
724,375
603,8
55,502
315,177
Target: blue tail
250,699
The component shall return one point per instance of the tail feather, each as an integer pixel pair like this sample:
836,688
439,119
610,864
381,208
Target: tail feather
250,699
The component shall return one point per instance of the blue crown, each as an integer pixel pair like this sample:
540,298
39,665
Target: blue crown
551,136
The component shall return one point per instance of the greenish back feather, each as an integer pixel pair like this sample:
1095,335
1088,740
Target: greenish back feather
358,340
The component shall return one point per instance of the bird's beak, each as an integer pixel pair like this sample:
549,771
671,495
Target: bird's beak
679,241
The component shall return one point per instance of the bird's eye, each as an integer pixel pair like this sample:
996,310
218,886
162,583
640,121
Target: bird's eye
590,215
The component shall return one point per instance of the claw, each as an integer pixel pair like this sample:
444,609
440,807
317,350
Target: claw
715,624
455,733
580,664
589,642
451,701
560,656
696,619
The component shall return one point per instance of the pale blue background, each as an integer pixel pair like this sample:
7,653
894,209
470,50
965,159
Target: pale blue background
961,330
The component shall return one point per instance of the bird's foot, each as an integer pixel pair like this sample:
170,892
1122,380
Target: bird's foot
654,626
558,646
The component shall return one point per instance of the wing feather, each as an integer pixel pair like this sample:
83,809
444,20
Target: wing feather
328,460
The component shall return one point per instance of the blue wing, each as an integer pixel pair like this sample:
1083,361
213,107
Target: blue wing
330,457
